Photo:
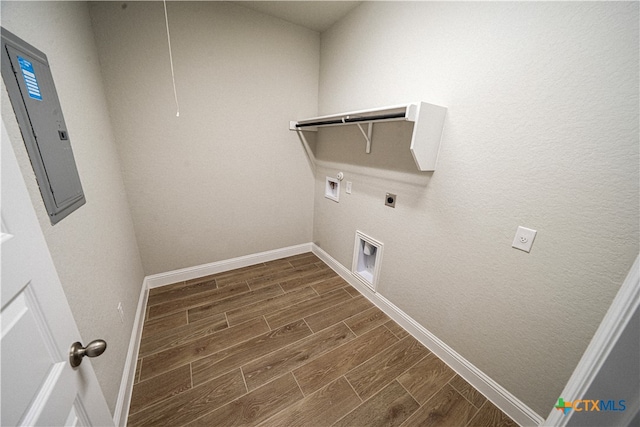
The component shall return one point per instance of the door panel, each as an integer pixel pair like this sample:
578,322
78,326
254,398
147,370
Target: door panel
22,325
39,386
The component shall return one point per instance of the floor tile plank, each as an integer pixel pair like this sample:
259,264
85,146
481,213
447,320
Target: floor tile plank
250,274
269,305
255,406
238,272
490,416
181,292
162,324
324,407
352,291
158,388
390,407
310,278
208,278
166,288
279,264
191,404
470,393
308,258
446,408
367,320
233,302
240,354
182,334
170,307
337,313
426,378
329,285
396,329
282,275
170,359
306,308
295,355
334,364
368,378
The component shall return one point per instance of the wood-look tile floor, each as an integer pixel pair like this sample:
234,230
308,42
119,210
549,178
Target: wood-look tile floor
289,343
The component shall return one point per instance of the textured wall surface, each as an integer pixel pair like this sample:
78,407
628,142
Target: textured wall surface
226,178
94,249
541,131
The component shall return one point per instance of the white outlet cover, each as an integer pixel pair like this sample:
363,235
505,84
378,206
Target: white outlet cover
524,239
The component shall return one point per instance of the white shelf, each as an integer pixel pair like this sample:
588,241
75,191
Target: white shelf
427,128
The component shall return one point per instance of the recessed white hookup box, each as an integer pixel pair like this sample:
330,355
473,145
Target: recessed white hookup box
332,189
367,258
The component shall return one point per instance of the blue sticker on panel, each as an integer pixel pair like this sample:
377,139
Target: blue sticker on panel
30,79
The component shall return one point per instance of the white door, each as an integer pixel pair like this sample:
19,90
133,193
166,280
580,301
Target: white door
39,386
608,370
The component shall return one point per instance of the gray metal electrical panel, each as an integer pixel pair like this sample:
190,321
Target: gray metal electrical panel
26,74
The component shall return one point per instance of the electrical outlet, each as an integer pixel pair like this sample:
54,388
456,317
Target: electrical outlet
390,200
524,239
121,311
348,190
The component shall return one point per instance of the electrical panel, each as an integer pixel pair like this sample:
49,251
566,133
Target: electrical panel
26,74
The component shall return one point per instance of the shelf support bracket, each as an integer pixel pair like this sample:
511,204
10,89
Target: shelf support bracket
307,149
367,136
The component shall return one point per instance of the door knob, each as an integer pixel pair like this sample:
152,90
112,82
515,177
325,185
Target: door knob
93,349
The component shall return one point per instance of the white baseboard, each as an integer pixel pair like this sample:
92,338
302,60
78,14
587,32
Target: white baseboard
121,412
189,273
493,391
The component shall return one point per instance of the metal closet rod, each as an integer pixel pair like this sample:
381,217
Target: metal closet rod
348,119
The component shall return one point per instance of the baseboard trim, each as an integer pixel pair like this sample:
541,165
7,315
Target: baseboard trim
202,270
493,391
121,412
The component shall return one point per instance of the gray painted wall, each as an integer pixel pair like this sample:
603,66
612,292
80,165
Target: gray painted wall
542,131
226,178
94,249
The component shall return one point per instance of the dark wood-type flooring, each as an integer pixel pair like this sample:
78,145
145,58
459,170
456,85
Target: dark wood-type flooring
289,343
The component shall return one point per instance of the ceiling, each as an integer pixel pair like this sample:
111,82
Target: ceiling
315,15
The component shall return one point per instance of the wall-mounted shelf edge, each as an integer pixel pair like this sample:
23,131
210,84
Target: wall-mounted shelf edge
427,129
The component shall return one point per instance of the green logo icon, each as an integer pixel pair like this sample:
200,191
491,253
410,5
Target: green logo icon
563,406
